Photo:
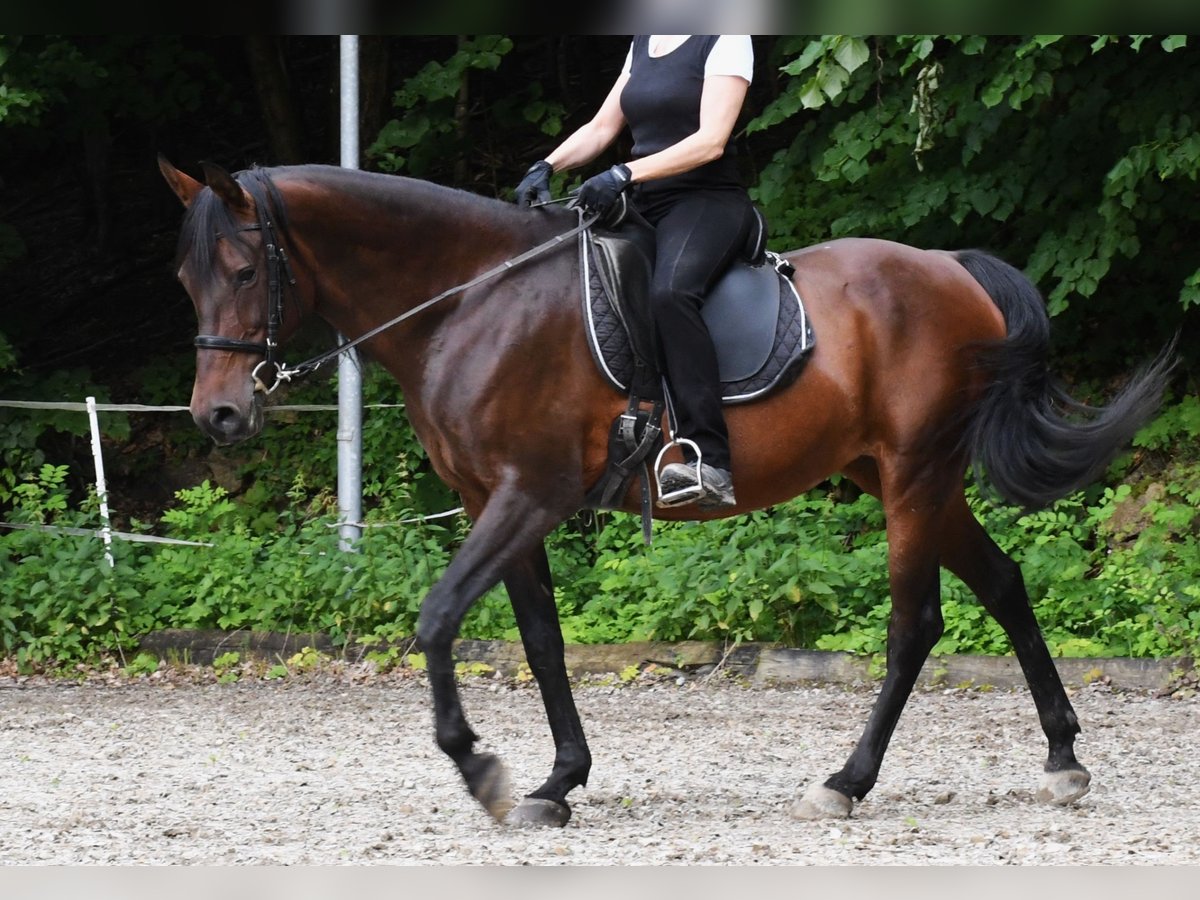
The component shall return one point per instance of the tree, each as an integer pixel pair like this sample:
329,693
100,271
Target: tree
1071,156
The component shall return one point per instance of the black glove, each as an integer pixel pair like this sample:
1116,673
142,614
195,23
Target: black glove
535,186
600,192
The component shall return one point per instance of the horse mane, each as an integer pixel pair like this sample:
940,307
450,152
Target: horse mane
209,220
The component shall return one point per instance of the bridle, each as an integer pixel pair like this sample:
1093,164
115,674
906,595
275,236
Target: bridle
279,270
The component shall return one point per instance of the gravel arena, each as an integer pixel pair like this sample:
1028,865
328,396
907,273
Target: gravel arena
341,768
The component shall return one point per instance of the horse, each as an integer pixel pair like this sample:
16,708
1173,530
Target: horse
926,363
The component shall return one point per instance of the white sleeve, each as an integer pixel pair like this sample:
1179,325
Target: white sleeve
732,54
628,60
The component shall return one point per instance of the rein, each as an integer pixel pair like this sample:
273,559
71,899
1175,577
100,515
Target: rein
279,269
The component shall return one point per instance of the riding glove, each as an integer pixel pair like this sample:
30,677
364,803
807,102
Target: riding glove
535,186
600,192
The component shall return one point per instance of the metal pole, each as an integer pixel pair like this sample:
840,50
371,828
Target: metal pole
349,432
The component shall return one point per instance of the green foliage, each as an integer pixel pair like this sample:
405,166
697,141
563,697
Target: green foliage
1110,570
428,128
1071,152
446,115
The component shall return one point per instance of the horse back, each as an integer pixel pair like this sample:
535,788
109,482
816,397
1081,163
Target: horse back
897,331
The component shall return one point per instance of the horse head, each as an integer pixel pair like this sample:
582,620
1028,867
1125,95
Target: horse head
231,264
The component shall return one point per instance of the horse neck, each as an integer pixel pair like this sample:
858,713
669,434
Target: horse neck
377,246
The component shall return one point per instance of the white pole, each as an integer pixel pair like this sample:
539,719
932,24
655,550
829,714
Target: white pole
101,487
349,432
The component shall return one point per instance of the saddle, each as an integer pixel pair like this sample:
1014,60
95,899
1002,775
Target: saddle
757,320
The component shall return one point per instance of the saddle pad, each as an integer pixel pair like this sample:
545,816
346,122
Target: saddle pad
757,320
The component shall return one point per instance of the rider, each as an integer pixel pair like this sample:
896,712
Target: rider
681,96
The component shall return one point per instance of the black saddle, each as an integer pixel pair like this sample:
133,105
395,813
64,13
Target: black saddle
756,318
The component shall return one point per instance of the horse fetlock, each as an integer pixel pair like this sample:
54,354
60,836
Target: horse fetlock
456,742
573,767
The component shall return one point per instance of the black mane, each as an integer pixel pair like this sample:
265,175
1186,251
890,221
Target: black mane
209,220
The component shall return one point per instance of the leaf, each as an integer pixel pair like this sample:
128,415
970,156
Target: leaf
833,80
1173,42
974,45
992,95
812,97
811,54
851,53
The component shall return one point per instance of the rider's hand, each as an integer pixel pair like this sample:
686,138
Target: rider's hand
600,192
535,186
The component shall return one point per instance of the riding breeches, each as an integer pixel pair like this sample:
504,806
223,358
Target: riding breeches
698,234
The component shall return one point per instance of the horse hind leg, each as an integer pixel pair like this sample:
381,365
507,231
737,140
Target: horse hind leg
532,594
996,580
914,627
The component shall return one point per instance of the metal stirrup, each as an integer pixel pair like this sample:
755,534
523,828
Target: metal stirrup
685,495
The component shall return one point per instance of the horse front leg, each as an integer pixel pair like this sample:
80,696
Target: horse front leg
914,628
532,594
510,527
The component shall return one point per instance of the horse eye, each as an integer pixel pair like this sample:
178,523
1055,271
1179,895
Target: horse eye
245,276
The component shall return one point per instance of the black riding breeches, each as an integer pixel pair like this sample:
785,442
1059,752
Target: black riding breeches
698,234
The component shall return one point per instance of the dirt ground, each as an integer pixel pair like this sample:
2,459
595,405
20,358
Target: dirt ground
331,770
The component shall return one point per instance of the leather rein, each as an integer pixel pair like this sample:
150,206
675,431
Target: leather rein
279,270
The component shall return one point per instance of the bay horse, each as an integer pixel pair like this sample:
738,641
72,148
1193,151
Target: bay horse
925,363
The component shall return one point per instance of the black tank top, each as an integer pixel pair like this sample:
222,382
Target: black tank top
661,103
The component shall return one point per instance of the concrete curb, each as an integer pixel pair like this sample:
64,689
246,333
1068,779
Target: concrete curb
761,664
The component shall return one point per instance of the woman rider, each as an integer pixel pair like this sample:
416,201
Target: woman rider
681,96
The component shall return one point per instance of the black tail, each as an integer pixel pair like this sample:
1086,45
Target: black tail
1033,442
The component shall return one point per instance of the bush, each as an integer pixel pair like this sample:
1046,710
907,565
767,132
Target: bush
1111,569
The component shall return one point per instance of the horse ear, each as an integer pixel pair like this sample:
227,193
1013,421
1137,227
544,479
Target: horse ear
225,187
185,187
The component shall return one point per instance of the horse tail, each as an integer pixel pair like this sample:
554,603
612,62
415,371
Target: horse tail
1028,437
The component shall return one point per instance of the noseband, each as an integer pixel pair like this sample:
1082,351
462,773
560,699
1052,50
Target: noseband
278,269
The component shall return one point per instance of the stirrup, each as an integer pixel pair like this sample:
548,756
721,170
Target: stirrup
685,495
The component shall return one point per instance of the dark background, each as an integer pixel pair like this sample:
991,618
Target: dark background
94,286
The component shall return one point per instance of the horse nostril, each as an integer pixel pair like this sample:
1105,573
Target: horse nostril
225,419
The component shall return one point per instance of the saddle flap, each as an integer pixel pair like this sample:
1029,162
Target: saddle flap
741,313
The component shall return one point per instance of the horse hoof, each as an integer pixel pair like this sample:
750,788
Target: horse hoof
535,812
820,802
491,787
1064,787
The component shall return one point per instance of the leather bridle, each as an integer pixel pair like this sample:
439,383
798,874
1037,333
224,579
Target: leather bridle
279,268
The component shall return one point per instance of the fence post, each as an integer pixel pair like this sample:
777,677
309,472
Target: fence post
349,430
101,487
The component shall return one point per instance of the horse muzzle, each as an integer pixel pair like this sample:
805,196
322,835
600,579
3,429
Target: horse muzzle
229,423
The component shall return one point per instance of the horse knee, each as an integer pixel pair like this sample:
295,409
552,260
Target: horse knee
911,637
435,634
933,625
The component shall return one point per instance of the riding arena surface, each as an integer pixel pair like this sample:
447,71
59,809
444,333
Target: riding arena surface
330,769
